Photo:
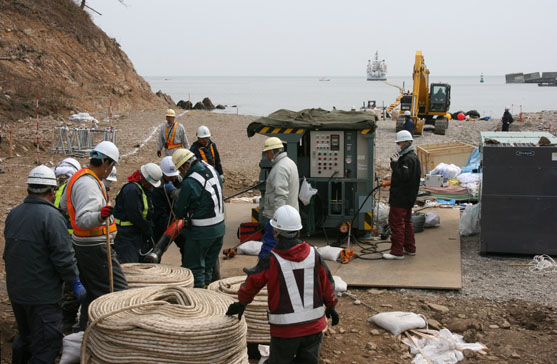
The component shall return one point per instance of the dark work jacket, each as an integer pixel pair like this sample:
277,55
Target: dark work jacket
405,180
129,206
409,125
507,118
39,255
196,149
161,213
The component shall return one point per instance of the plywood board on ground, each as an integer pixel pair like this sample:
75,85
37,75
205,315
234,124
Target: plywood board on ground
436,265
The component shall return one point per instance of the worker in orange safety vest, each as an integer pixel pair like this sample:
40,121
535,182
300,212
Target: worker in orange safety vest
172,135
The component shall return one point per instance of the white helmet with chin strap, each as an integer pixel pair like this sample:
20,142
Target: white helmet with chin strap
287,219
105,149
403,136
41,176
152,174
203,132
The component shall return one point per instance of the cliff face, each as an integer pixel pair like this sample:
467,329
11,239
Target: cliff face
52,47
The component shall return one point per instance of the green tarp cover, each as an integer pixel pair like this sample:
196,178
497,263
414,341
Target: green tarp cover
316,119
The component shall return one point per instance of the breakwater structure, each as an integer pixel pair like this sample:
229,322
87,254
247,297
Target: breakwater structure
542,79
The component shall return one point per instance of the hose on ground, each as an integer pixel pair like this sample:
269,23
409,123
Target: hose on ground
141,275
255,313
163,325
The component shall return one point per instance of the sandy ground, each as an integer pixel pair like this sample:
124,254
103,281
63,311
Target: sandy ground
525,329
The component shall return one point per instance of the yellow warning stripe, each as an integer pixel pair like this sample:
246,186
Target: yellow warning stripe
271,130
368,222
255,214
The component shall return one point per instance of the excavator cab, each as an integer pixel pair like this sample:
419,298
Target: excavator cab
439,97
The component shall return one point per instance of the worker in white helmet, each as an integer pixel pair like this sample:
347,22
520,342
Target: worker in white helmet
201,203
133,213
39,257
300,289
281,188
206,150
405,182
86,203
172,135
408,123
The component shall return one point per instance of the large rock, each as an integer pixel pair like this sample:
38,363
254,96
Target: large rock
222,107
186,105
199,106
208,104
166,98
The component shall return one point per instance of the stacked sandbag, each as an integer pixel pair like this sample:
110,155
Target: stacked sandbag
141,275
256,312
164,325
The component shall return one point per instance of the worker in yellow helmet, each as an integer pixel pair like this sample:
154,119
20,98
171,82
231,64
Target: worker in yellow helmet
172,135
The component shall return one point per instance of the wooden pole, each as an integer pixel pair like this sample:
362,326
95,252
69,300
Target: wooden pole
110,119
109,255
11,147
37,113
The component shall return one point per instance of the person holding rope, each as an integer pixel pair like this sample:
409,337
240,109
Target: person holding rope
172,135
86,202
133,214
301,292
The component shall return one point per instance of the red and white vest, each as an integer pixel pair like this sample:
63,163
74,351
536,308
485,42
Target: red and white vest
302,276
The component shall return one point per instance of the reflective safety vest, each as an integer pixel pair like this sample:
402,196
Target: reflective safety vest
302,309
58,197
145,208
77,231
170,136
209,181
204,157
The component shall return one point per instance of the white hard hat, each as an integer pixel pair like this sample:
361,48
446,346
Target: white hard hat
152,173
181,156
507,108
403,136
112,176
407,113
272,143
170,112
203,132
42,176
74,163
168,168
287,218
107,149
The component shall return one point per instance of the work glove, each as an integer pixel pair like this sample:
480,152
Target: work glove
158,153
106,211
79,290
395,157
332,313
169,187
222,178
236,308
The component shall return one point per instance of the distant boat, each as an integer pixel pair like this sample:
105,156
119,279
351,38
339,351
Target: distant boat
324,79
376,70
482,78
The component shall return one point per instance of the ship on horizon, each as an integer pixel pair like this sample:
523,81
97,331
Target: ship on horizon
376,70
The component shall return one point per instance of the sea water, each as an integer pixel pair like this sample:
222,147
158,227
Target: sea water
264,95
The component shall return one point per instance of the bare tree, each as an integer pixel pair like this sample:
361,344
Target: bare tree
82,6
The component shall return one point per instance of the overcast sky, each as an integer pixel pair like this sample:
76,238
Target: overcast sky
331,38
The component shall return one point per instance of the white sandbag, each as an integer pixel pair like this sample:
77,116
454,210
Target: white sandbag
83,117
446,170
251,247
306,192
444,349
469,177
329,252
397,322
382,212
432,220
264,351
71,348
340,285
470,220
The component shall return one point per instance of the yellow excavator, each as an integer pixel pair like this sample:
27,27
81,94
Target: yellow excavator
428,104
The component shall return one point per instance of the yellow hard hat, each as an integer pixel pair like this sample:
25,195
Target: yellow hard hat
272,143
181,156
170,112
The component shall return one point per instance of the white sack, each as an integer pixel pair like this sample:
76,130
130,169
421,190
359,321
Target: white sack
264,351
469,177
83,117
447,170
71,348
329,252
306,192
470,221
432,219
251,247
397,322
340,285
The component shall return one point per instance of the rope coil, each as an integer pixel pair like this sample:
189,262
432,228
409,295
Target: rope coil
141,275
256,312
543,263
163,325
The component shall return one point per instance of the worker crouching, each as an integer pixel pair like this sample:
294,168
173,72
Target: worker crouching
39,257
200,202
133,214
292,269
